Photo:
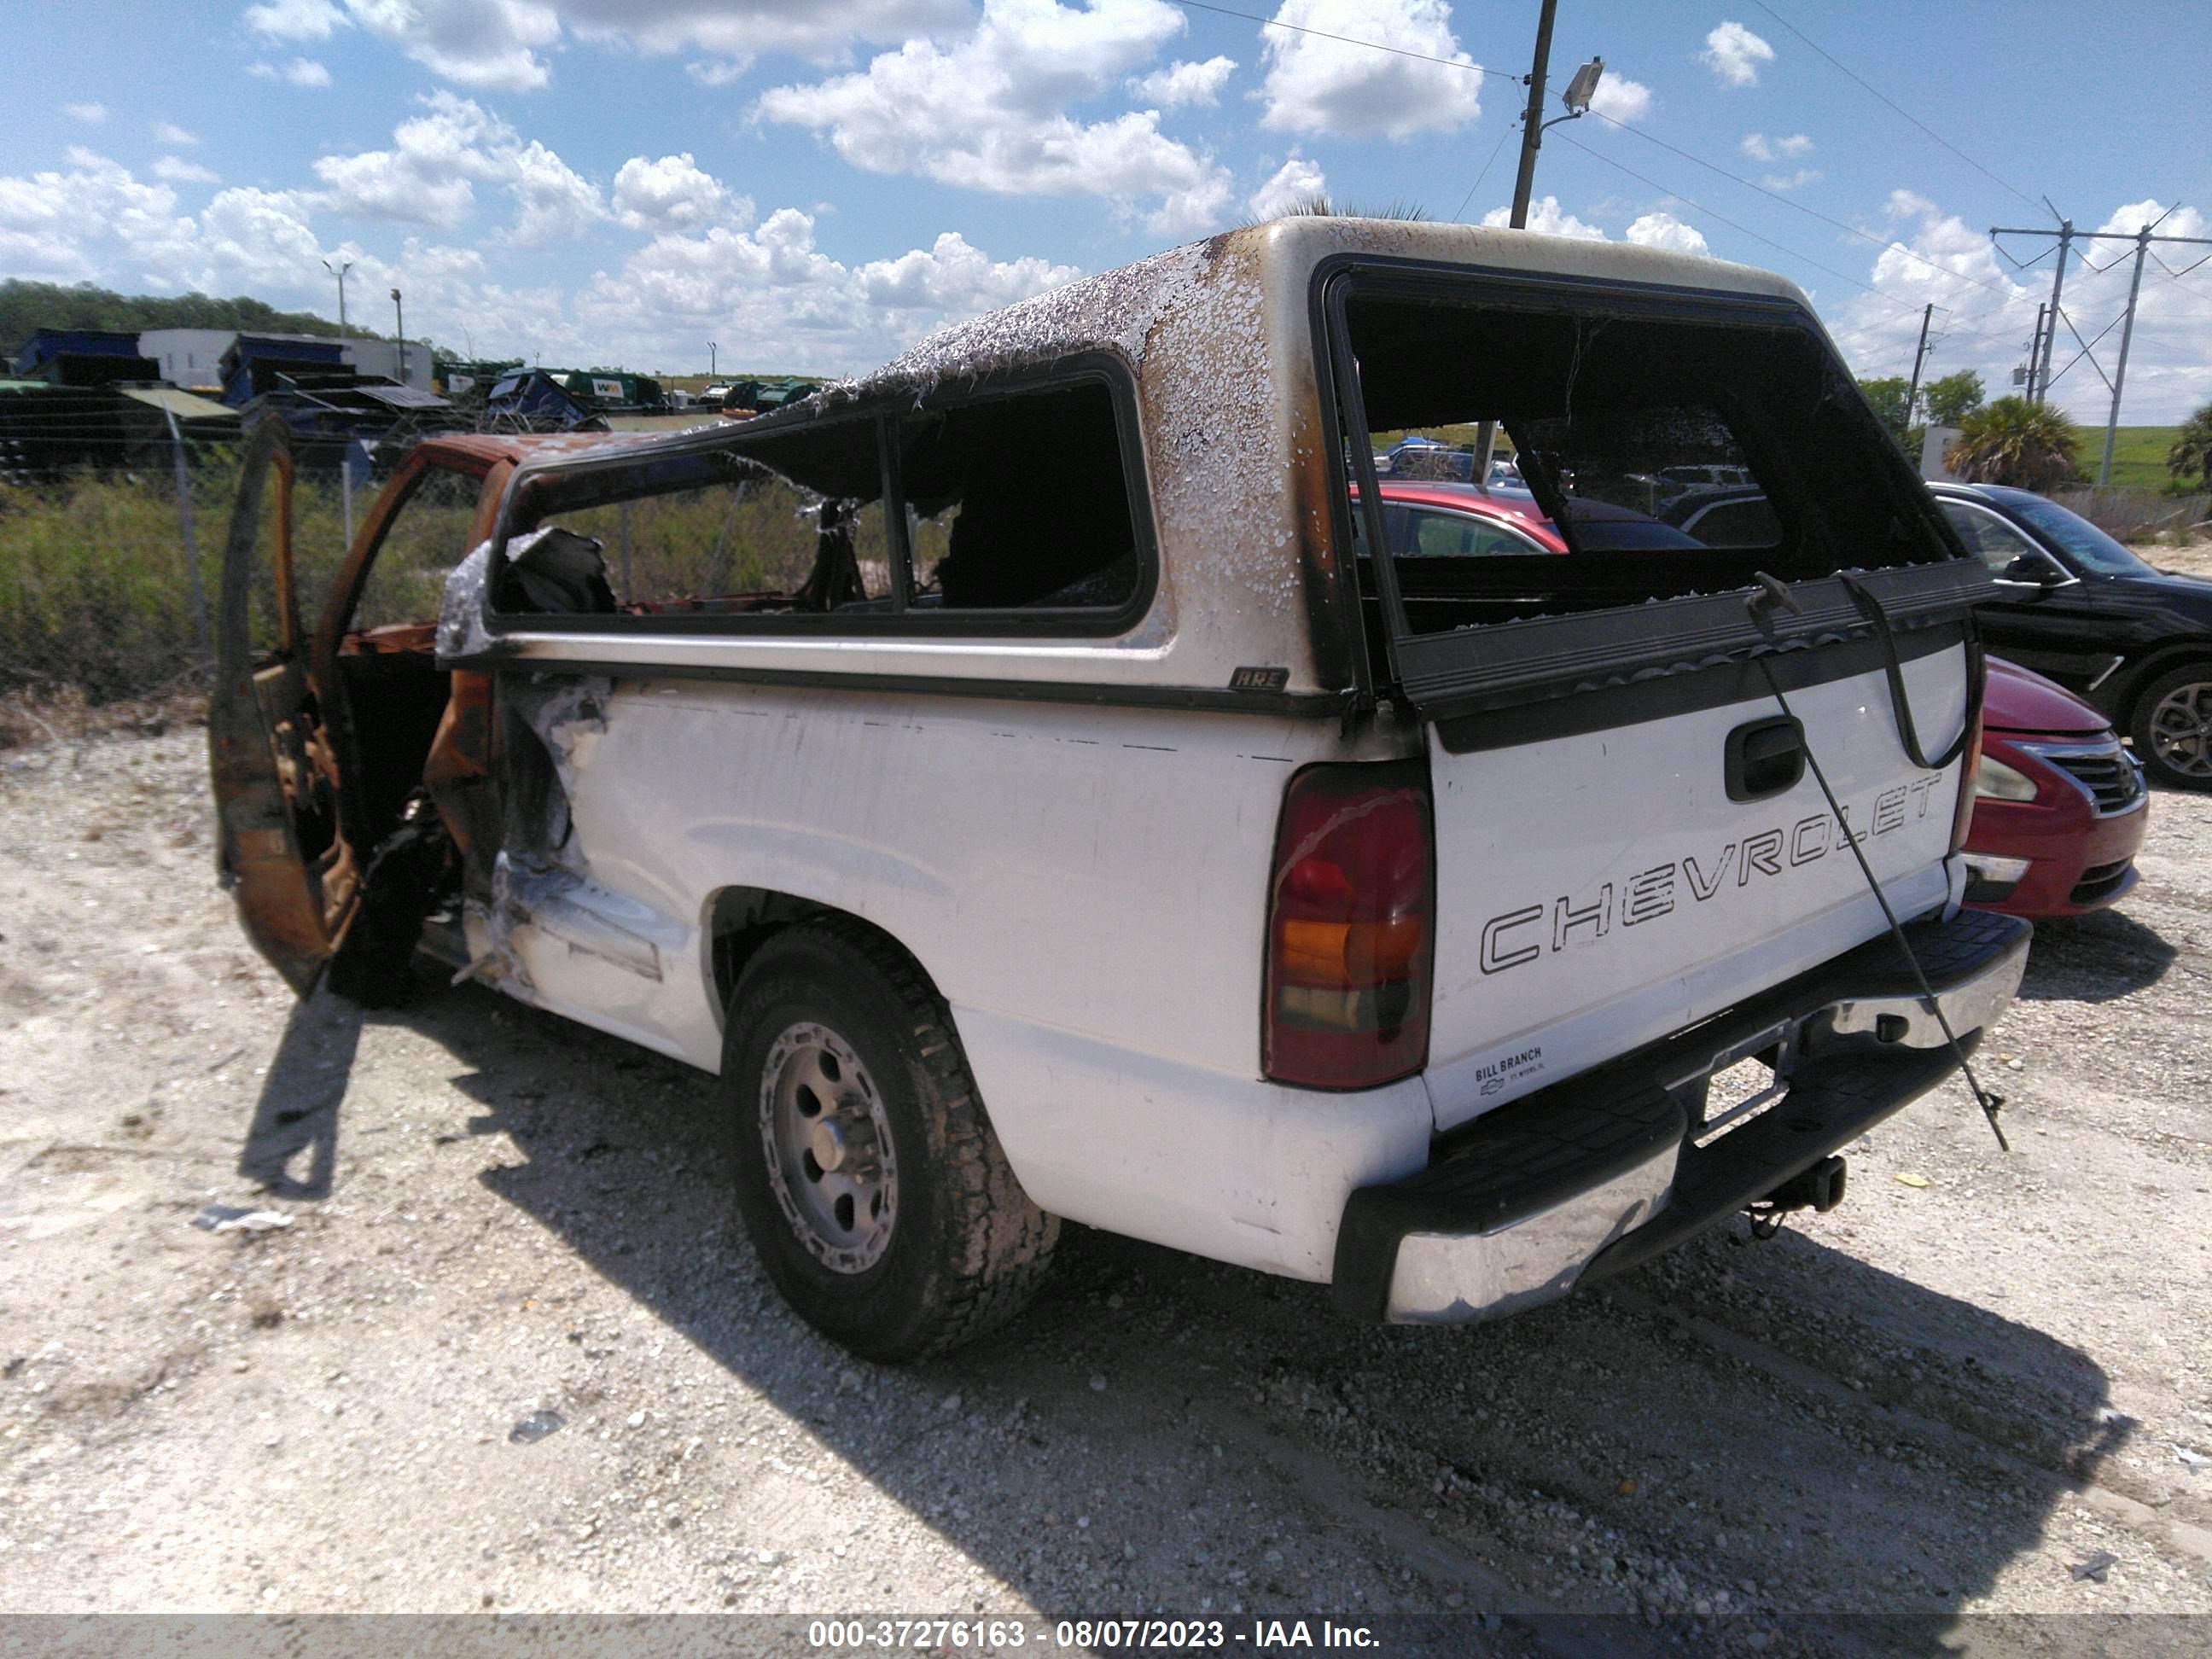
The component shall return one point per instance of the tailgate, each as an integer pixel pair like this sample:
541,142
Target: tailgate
1597,888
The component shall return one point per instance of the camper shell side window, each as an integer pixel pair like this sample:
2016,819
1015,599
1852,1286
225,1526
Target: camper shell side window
1012,506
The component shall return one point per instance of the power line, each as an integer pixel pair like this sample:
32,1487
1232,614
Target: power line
1502,136
1343,39
1893,103
1811,213
1699,207
1452,63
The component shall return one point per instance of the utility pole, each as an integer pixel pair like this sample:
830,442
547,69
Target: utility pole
712,351
2034,355
1532,125
2058,287
2120,371
1919,356
2067,235
399,316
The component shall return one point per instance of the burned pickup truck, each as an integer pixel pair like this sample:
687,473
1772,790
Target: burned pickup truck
1038,785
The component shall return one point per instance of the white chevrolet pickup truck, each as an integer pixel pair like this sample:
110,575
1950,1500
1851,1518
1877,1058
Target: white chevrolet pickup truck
1070,773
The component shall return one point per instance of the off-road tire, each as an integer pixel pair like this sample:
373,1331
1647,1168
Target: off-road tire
968,1248
2139,718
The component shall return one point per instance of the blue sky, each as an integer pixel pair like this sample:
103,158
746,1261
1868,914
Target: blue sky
811,183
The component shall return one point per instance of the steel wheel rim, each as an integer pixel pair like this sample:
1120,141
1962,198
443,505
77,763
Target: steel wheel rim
828,1144
2181,729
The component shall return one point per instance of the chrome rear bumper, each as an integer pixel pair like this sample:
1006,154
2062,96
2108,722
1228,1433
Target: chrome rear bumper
1599,1174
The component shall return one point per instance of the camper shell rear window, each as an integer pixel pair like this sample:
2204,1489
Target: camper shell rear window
1626,410
1624,422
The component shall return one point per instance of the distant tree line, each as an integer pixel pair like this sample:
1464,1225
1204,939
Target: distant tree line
1944,402
26,307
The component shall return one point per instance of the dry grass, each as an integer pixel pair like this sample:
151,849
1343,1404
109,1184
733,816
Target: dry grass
30,716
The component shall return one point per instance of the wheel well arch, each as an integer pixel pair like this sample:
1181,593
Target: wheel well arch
2167,658
740,920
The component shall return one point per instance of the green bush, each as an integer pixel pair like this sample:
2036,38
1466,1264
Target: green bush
95,591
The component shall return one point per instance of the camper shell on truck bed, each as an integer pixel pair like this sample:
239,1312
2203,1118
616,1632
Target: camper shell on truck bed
1026,776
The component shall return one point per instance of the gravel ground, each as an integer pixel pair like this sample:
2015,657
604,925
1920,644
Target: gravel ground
511,1351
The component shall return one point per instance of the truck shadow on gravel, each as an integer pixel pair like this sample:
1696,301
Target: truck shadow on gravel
1785,1417
2104,957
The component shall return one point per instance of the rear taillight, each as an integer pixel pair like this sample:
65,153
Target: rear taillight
1963,814
1351,928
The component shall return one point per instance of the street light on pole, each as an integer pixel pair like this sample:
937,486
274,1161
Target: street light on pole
1581,89
712,372
399,316
339,271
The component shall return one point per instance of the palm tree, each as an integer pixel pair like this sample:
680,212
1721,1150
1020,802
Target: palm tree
2193,448
2014,441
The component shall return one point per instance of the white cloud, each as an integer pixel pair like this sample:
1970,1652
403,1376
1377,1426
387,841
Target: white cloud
1937,258
91,114
1759,148
822,30
953,279
300,72
770,297
554,200
429,175
260,241
1547,218
508,44
1622,99
1182,82
718,71
1796,180
675,193
1295,184
1654,229
178,171
77,224
295,20
1321,86
1733,54
494,43
988,112
1665,230
176,137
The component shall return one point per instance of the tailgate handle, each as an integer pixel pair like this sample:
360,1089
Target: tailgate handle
1765,757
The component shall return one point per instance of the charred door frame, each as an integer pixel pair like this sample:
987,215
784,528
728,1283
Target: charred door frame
323,677
258,855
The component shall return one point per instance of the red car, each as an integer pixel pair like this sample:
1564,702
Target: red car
1432,519
1429,518
2059,808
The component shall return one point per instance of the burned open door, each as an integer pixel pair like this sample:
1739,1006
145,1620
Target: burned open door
276,779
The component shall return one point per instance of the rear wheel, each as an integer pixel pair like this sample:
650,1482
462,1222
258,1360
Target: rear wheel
2172,727
868,1175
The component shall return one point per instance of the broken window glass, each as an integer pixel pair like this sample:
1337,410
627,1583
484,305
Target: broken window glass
1019,501
1670,455
1011,499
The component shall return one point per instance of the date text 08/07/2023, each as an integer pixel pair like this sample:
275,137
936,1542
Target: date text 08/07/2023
998,1636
